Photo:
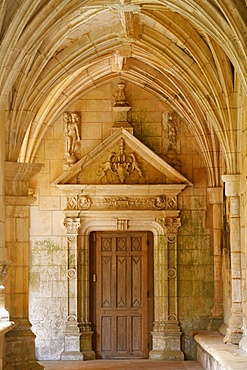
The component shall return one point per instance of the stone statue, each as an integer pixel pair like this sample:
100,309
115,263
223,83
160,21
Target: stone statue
71,132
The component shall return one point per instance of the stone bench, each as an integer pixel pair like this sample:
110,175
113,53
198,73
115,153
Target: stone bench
214,354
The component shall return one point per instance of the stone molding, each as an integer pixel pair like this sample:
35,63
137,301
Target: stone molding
17,171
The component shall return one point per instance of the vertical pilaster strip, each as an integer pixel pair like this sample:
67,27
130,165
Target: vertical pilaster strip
72,331
161,284
85,324
215,219
171,229
19,342
167,333
234,330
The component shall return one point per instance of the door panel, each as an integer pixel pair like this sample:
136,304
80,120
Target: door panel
121,294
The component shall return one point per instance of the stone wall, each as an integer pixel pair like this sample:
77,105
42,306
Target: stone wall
168,136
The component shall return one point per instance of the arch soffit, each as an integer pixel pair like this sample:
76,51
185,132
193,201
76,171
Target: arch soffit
71,63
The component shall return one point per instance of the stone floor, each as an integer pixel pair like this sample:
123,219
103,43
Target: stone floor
120,365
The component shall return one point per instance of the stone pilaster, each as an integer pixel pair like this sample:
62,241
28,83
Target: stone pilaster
215,203
85,324
19,342
234,330
72,331
166,332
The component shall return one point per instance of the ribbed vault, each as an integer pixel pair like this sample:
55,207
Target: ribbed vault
190,54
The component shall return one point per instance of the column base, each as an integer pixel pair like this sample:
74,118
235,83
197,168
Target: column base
86,345
233,335
72,342
26,366
166,355
166,342
20,348
89,355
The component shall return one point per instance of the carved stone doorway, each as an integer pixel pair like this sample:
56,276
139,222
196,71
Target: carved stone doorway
121,293
143,201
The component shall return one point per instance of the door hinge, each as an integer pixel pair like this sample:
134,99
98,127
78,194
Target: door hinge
94,278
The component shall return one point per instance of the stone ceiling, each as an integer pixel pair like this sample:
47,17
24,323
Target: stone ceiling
191,54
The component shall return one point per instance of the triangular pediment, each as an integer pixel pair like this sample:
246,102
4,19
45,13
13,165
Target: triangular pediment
121,159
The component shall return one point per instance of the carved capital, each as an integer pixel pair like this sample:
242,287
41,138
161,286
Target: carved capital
170,224
72,225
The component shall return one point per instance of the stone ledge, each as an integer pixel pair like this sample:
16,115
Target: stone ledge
213,353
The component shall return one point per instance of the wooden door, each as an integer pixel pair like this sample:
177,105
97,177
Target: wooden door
121,291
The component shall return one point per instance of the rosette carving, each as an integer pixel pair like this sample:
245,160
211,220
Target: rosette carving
71,273
172,273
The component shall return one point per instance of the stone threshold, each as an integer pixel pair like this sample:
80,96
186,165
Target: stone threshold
213,353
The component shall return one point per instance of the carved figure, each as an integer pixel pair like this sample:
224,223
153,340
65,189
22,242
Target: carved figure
171,130
135,165
71,132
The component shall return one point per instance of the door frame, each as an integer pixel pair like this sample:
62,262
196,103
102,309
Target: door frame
164,226
148,314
